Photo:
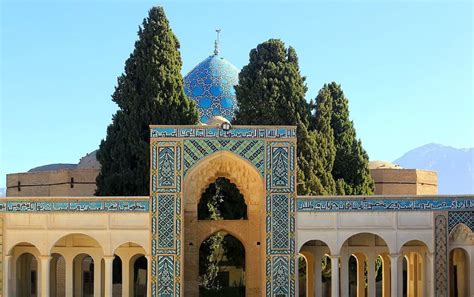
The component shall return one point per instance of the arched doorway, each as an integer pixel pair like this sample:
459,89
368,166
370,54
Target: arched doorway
139,277
316,277
221,266
414,268
458,273
363,270
224,176
83,275
27,275
57,275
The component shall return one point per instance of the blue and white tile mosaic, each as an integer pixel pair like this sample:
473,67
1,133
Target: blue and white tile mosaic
212,132
58,205
211,85
316,204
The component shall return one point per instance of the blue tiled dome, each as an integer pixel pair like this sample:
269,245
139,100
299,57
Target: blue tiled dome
211,85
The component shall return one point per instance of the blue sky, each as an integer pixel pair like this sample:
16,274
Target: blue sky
407,68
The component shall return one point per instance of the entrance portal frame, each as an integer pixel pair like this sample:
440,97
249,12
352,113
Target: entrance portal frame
174,150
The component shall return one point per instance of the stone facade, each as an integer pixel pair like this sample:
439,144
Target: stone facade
399,181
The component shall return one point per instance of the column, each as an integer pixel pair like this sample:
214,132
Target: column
126,276
69,281
386,275
334,275
360,274
45,262
6,274
98,277
394,274
371,274
429,274
148,272
318,283
108,261
345,274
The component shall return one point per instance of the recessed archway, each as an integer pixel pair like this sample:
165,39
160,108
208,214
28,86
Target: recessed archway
363,269
318,273
221,266
413,263
250,232
459,273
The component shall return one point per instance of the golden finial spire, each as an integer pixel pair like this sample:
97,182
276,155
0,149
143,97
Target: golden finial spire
216,43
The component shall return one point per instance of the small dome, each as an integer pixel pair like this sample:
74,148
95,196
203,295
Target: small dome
378,164
216,121
211,85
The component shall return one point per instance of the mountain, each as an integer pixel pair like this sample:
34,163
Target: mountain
455,167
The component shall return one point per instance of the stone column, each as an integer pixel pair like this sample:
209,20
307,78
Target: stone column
6,275
108,261
371,274
126,276
69,281
429,275
318,283
345,274
148,272
45,262
394,274
386,275
334,275
97,276
360,274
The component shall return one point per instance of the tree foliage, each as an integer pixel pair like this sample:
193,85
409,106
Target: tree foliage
271,91
150,91
350,167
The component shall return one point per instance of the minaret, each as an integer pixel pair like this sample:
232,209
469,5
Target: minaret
216,43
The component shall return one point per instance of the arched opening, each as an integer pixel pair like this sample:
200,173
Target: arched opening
83,275
221,266
248,229
222,200
458,273
139,276
117,276
315,278
413,268
57,275
130,270
363,272
302,276
27,275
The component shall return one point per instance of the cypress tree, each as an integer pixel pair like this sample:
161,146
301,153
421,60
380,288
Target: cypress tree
351,162
150,91
271,91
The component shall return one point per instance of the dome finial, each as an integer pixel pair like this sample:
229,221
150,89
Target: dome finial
216,43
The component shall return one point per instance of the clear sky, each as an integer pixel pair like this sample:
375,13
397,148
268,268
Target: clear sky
407,68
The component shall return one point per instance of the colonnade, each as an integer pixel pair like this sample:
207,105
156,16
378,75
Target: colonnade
40,280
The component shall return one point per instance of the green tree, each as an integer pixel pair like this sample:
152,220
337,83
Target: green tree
271,91
351,162
149,92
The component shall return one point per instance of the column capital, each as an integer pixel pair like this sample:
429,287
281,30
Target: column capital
334,256
45,257
394,256
108,258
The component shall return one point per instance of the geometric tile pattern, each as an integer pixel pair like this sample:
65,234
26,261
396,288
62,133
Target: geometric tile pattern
166,214
211,85
280,171
368,203
175,150
280,272
441,256
216,133
58,205
461,217
197,149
